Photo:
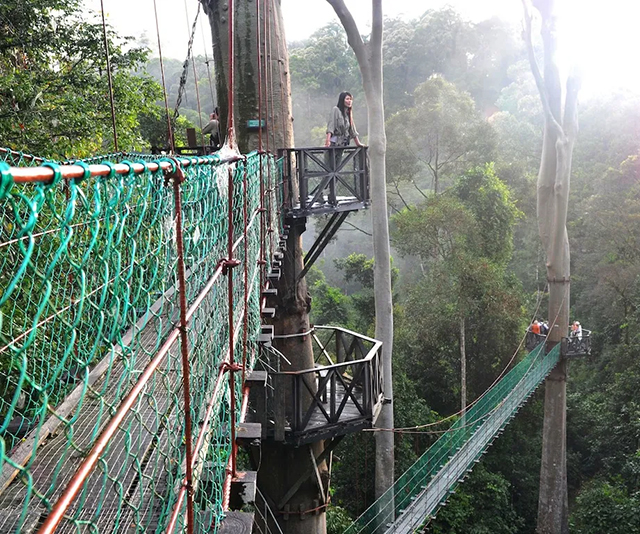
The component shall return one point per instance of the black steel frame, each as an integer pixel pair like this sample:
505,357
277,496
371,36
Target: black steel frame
332,169
353,376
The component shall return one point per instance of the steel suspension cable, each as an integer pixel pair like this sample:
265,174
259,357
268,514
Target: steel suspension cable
412,429
206,62
270,76
269,112
185,70
164,84
260,148
230,88
109,79
195,71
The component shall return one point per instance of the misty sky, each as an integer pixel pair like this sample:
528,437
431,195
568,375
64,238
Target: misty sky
302,17
602,38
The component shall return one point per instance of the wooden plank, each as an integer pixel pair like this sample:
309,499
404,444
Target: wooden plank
37,436
243,489
247,432
50,462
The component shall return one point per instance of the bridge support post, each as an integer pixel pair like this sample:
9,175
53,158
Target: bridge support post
284,465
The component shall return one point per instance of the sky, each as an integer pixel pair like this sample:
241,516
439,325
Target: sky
602,37
301,17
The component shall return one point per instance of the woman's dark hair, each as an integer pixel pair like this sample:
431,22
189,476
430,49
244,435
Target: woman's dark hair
341,98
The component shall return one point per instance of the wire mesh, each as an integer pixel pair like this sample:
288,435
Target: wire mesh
88,304
429,481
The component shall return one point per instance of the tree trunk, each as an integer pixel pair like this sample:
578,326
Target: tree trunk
369,57
553,199
276,85
281,464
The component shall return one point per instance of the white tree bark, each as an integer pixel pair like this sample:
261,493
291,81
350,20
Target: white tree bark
561,128
369,57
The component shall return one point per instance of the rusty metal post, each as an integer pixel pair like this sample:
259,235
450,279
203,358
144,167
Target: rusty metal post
245,217
178,177
230,264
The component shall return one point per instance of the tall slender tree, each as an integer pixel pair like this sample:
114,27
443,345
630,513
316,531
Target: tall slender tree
560,105
369,55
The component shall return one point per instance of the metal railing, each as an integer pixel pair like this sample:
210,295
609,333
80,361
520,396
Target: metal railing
579,345
325,179
532,340
343,393
572,345
424,487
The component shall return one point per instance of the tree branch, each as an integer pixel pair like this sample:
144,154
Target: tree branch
358,228
419,190
399,194
574,83
537,75
350,26
376,35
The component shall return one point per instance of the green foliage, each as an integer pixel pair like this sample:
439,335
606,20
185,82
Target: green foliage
337,520
482,505
473,56
359,269
441,136
325,64
494,211
54,97
330,305
463,241
606,507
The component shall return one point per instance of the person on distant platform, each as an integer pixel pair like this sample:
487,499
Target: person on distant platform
340,130
544,327
340,127
213,128
576,330
535,327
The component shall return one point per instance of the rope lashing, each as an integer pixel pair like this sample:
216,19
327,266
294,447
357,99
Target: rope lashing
6,180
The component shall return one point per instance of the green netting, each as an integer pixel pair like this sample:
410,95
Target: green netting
19,159
88,296
522,379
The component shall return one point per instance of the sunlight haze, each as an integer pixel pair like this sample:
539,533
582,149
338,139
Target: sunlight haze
602,41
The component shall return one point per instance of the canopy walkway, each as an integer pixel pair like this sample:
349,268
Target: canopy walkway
419,492
130,306
131,302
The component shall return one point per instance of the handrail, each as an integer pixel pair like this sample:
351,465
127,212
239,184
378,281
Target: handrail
325,179
327,400
370,355
346,331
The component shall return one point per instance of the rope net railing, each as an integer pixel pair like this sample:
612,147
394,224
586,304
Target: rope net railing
480,423
92,374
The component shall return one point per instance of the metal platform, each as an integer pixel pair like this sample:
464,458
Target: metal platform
342,394
321,180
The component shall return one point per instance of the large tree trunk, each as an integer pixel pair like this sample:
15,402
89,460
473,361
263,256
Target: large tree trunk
561,126
276,85
369,57
463,371
281,464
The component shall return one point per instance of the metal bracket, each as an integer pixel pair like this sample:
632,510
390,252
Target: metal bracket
315,462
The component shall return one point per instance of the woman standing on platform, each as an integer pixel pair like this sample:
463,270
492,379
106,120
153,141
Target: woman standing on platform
340,127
